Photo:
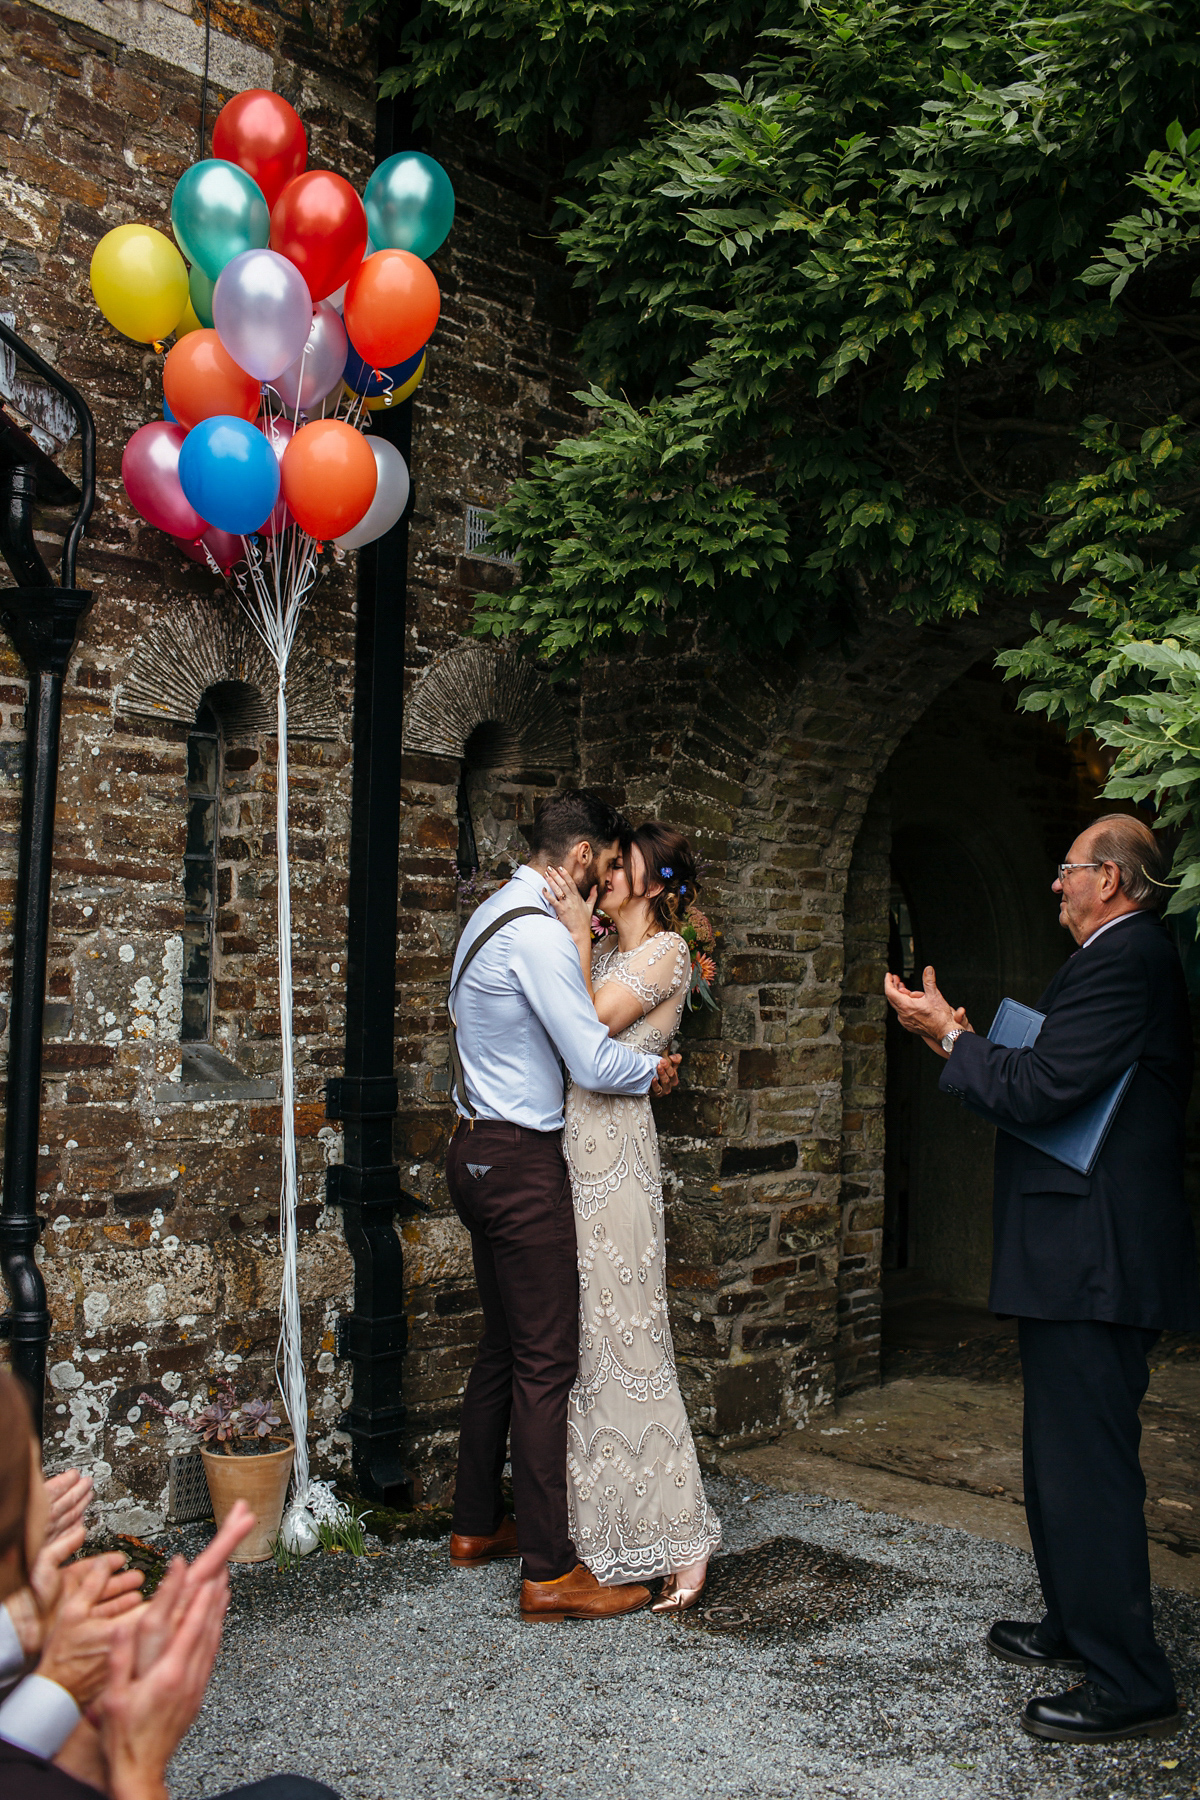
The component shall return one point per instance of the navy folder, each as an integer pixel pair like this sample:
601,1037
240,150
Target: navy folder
1075,1140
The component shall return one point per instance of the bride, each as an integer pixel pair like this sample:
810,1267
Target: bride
636,1501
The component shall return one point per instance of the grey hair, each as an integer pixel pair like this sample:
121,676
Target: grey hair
1142,864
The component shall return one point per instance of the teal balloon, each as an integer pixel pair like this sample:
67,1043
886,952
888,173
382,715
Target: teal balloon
217,211
201,290
410,204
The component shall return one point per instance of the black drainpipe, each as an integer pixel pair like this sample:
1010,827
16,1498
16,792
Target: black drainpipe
42,620
367,1184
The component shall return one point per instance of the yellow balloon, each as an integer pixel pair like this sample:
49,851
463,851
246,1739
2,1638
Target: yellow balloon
383,401
189,322
140,282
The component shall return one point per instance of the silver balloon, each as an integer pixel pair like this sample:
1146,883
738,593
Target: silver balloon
318,368
391,497
263,312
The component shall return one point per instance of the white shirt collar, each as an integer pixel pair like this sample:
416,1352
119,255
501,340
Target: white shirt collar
536,880
1107,926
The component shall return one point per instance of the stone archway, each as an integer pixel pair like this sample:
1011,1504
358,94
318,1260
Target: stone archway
775,1203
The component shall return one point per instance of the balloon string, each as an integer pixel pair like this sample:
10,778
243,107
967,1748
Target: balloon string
382,376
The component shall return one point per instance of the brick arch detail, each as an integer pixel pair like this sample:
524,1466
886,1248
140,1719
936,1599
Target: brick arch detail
771,771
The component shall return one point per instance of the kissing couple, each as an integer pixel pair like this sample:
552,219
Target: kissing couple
564,1205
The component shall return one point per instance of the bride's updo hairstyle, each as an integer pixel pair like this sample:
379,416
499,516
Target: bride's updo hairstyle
669,859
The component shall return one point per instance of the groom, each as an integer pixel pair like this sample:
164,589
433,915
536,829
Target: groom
520,1011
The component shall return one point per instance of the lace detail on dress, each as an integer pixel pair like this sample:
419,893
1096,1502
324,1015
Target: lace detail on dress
635,1498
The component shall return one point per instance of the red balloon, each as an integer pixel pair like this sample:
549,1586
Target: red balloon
278,433
328,475
150,471
226,549
318,223
392,306
262,134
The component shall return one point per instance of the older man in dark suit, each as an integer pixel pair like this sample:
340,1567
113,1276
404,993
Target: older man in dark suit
1094,1267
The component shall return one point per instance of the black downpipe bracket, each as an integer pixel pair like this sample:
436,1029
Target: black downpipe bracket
42,620
366,1185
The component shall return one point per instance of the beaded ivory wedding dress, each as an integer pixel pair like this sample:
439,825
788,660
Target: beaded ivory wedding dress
635,1498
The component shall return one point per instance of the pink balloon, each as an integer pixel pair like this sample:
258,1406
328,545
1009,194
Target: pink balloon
278,433
150,471
226,549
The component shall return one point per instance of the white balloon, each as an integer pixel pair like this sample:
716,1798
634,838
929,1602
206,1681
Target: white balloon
391,497
263,312
318,368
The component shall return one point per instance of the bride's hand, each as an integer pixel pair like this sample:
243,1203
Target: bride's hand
570,905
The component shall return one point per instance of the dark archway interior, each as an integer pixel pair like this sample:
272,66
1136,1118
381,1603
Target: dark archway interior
983,801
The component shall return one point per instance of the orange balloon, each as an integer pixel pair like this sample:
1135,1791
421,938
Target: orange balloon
328,476
392,305
201,379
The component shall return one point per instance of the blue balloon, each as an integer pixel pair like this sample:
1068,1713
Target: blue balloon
363,379
168,415
229,473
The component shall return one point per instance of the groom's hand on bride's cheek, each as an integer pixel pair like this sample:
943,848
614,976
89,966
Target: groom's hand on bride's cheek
667,1075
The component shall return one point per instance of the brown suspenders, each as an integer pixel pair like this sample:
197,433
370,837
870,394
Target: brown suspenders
457,1080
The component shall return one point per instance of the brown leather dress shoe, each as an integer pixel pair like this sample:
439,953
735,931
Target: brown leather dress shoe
473,1552
579,1596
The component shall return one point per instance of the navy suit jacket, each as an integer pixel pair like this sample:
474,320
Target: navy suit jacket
1116,1245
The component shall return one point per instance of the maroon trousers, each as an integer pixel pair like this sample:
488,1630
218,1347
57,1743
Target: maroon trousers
511,1190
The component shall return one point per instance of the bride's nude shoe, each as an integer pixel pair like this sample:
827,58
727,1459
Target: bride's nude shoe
676,1599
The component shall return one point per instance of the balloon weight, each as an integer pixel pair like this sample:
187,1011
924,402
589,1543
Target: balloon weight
140,282
150,471
391,496
229,473
201,380
224,547
278,433
392,307
262,312
262,134
217,211
319,224
410,204
329,477
318,368
200,291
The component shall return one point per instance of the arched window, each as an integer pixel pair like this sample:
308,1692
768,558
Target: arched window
200,874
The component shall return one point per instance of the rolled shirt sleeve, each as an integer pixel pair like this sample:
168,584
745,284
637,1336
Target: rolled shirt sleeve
549,975
38,1716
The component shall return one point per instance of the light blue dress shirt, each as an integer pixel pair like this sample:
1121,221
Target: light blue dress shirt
522,1006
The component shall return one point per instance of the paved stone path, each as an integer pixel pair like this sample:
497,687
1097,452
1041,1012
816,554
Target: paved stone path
847,1661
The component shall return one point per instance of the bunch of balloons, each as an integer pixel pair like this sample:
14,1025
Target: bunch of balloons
292,326
298,309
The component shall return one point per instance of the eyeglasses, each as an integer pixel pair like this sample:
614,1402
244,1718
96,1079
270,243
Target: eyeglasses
1065,868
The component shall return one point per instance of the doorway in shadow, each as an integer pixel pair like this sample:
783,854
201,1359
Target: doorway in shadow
982,802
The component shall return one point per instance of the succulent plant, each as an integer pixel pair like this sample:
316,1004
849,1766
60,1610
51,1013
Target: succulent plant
223,1420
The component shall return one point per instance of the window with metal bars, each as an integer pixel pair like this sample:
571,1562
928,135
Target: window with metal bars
200,874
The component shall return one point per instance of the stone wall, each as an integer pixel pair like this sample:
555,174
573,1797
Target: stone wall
161,1185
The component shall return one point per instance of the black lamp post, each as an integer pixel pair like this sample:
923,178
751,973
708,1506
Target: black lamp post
42,620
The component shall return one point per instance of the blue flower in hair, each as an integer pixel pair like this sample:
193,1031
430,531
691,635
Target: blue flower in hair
667,874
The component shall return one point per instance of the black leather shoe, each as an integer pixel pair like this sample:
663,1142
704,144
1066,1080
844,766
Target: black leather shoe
1085,1714
1016,1642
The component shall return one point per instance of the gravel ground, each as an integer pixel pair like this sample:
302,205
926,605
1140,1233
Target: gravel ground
398,1678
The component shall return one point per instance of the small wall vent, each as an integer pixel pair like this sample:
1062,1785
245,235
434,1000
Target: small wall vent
478,531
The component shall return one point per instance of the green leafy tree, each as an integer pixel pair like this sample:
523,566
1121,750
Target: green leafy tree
888,304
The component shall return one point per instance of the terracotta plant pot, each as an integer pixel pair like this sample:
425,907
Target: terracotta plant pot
261,1481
